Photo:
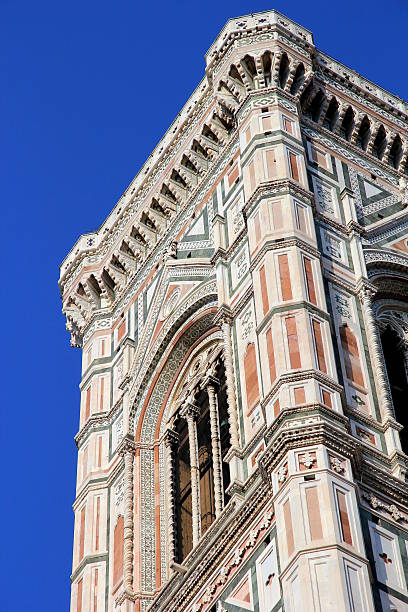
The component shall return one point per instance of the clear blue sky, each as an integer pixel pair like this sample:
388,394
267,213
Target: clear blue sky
87,89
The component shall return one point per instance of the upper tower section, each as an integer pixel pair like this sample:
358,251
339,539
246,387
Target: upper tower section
262,51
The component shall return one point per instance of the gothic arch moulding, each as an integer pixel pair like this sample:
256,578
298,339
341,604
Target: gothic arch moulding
192,313
187,326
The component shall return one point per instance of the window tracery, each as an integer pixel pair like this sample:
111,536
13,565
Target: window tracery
197,441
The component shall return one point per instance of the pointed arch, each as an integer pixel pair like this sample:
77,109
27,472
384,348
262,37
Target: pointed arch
284,68
298,79
347,124
332,114
380,142
266,60
316,105
395,154
364,133
248,63
306,94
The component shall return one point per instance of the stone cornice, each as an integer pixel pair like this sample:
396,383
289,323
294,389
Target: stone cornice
335,279
373,477
308,426
98,420
291,377
274,244
268,189
87,560
243,301
386,228
255,23
371,421
379,506
169,146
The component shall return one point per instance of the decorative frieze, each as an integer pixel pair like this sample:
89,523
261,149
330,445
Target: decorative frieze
377,504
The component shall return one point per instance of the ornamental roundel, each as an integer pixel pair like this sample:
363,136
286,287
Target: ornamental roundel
171,302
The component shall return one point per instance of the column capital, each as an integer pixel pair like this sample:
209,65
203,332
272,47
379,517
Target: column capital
171,438
190,410
224,315
210,381
365,290
127,446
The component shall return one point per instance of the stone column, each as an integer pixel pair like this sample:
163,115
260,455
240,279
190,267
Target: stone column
171,441
230,376
374,346
190,412
215,445
127,451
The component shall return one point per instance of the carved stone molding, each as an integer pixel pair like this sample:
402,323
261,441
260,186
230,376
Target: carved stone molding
377,504
293,429
127,446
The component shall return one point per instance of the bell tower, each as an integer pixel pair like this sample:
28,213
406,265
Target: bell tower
239,438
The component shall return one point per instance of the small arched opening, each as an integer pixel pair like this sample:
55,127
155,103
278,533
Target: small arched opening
283,71
364,133
298,79
347,124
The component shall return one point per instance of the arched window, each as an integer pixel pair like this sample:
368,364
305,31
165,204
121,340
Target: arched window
283,71
380,143
298,79
347,124
267,67
364,133
332,114
248,64
316,105
396,364
396,152
199,474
